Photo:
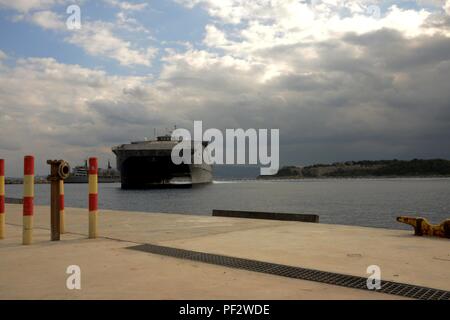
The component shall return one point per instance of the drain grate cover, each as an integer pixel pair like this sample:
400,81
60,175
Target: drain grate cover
389,287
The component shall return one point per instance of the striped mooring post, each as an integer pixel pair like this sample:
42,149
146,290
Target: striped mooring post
93,197
61,206
28,200
2,199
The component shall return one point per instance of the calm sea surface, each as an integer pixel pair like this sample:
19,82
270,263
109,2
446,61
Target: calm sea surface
362,202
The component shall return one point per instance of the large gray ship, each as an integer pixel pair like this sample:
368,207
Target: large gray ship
148,164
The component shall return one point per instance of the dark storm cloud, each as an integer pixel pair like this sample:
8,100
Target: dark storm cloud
376,95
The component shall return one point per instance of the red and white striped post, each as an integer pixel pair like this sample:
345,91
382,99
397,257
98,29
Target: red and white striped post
93,197
28,199
2,199
61,206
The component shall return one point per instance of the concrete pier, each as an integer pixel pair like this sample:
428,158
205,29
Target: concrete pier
110,271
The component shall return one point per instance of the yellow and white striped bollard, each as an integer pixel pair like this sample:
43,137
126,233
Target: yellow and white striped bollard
93,197
2,199
28,200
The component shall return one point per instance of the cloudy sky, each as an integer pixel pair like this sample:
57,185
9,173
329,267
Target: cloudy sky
342,80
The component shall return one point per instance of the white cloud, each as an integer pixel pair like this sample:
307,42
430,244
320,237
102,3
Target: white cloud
130,24
98,39
69,110
288,21
3,55
47,20
266,26
127,6
447,7
275,23
28,5
215,37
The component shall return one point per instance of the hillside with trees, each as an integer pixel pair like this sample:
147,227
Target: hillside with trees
382,168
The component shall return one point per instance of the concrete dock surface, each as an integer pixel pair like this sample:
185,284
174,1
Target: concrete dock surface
110,271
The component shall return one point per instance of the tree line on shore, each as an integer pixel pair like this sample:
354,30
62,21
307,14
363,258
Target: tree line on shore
369,168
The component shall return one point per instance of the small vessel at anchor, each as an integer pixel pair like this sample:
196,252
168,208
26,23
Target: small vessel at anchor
79,174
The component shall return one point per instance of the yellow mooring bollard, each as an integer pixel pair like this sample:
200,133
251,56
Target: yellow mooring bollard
61,207
93,197
2,199
423,228
28,199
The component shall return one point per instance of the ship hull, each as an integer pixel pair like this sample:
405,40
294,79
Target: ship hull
188,177
150,169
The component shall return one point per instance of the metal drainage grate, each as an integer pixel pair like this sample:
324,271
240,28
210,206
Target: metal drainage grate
389,287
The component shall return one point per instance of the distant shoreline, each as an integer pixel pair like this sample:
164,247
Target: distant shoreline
384,169
295,179
273,178
280,179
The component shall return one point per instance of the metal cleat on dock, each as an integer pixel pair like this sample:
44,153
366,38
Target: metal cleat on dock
423,228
